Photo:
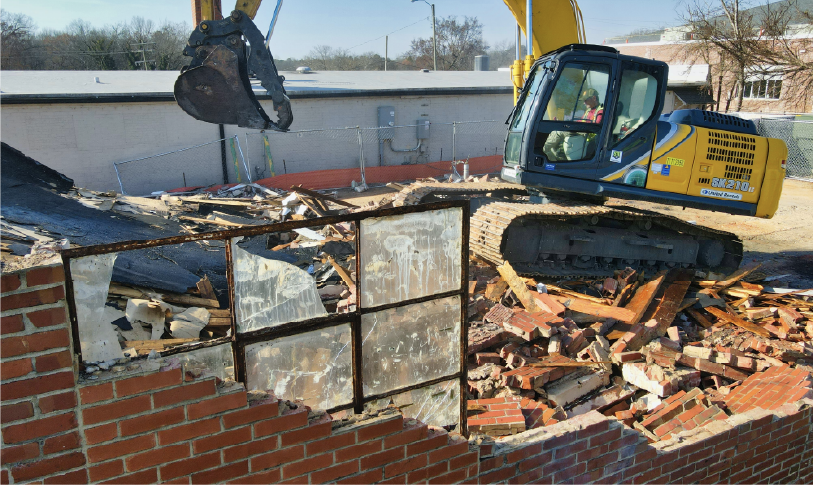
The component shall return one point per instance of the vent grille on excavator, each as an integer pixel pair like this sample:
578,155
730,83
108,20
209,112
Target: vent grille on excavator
737,150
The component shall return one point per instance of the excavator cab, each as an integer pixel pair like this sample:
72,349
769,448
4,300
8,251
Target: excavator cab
216,86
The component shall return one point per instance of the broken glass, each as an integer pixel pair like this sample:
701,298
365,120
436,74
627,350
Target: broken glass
91,281
314,367
409,256
435,405
270,292
410,344
216,361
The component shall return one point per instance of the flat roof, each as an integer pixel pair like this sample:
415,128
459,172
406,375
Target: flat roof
132,86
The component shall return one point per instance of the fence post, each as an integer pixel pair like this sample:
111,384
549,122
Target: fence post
361,156
454,126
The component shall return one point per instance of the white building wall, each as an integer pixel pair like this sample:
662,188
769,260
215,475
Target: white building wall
83,140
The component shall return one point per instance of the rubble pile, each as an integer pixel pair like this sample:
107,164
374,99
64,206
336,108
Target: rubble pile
661,354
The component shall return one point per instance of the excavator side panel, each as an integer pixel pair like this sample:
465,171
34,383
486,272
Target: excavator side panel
672,165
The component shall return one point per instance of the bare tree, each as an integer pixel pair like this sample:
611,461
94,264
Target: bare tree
16,40
457,45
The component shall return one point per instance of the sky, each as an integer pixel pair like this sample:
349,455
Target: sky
357,25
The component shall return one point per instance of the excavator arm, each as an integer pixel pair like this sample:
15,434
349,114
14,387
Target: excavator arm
215,87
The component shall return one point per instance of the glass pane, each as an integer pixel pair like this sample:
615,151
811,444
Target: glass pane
579,94
436,405
762,89
527,99
91,277
216,361
778,84
410,256
747,90
562,146
410,344
270,292
636,103
314,367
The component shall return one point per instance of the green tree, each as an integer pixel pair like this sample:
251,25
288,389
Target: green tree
457,45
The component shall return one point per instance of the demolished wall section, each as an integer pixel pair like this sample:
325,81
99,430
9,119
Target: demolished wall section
152,425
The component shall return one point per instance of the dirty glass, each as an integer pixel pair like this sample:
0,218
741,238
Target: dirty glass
91,282
410,256
314,367
410,344
216,361
272,288
435,405
637,101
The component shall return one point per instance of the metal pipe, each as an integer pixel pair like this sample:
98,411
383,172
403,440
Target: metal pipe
518,44
434,41
407,150
223,154
529,46
386,38
273,22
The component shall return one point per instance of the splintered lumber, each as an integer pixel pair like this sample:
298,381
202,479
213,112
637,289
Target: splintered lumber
595,309
738,322
574,294
319,212
642,298
568,364
175,298
495,290
205,289
518,287
731,279
677,283
219,222
623,295
312,193
342,272
686,303
145,346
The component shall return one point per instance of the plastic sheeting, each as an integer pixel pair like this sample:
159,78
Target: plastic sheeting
91,282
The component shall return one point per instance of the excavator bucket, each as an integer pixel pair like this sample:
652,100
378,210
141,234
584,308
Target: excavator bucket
215,87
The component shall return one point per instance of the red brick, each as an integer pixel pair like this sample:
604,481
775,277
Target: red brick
222,473
453,477
312,432
275,458
373,476
435,440
380,429
217,405
431,471
188,431
144,476
105,470
47,318
115,410
100,434
405,466
15,412
189,466
92,394
35,342
4,477
296,419
11,324
186,392
44,276
377,460
14,454
37,385
57,402
47,466
222,440
307,465
151,422
32,298
155,457
120,448
448,452
412,433
462,461
254,447
497,475
9,282
18,433
61,443
332,473
262,478
358,451
338,441
15,368
77,476
140,384
264,410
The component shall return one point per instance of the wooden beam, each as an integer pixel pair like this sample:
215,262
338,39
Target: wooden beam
738,322
596,309
642,298
518,287
343,273
312,193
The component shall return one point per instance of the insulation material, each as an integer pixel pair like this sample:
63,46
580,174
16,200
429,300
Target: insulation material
411,344
270,292
410,256
189,324
435,405
313,367
91,281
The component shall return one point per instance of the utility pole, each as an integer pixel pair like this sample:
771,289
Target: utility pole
143,51
385,52
434,42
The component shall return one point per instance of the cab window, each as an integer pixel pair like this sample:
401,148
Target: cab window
579,96
637,101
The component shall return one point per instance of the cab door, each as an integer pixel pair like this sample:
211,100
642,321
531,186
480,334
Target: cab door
633,119
568,133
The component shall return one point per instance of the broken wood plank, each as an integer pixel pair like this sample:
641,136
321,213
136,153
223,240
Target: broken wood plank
342,272
738,322
698,317
495,290
518,287
686,303
201,220
145,346
567,364
622,297
677,283
643,296
602,311
312,193
574,294
737,276
205,289
174,298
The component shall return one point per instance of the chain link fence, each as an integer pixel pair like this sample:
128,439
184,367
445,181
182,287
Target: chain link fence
206,164
799,139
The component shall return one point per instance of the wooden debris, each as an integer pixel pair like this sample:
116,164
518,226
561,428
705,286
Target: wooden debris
518,287
312,193
641,300
596,309
143,347
738,322
495,290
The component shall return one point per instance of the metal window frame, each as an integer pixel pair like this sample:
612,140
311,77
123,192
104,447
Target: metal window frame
239,341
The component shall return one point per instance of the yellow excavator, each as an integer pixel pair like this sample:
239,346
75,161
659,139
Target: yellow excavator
586,126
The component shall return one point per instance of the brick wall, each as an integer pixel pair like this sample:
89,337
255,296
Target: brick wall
158,425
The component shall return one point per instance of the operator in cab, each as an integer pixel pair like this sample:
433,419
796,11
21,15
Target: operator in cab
594,111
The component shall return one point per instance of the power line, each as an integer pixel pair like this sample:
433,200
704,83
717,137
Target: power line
383,36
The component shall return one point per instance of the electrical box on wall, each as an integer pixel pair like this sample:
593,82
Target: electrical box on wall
422,131
387,119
